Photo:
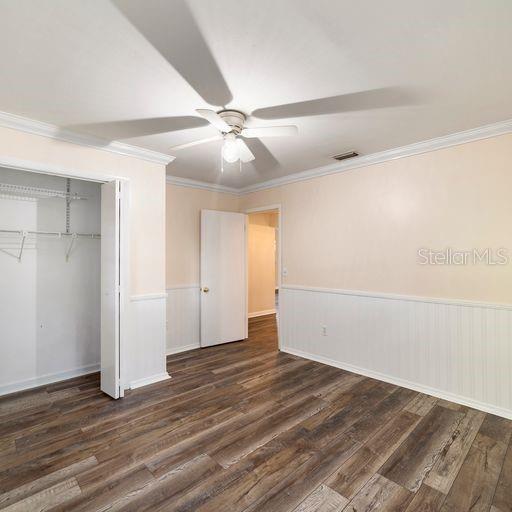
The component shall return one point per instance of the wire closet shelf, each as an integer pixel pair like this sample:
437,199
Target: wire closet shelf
35,193
24,191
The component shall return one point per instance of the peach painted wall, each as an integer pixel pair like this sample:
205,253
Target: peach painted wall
361,229
183,215
147,188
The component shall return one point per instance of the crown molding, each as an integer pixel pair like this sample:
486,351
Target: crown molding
454,139
54,132
203,185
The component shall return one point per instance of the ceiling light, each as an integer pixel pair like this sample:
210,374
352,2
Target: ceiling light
230,149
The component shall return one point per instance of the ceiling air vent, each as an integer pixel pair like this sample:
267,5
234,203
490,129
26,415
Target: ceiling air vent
344,156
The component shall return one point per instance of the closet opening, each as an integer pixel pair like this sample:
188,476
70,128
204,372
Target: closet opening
60,277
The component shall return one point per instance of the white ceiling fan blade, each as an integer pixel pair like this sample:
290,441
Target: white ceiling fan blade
214,119
244,152
270,131
195,143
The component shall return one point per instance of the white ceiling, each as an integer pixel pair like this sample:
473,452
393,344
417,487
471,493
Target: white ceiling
439,67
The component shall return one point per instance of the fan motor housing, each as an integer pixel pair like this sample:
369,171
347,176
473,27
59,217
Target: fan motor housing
234,119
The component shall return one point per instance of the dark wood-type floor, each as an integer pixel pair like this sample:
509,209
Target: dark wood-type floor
242,427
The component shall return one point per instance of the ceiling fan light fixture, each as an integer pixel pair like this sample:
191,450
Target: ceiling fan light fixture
230,151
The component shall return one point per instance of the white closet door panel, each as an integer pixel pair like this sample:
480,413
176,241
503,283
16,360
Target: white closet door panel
110,288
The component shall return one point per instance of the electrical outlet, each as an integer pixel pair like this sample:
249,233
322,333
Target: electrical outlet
285,271
323,330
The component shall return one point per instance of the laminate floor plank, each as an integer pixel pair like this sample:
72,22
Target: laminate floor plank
329,423
48,498
502,501
357,470
416,456
113,492
422,404
294,488
426,499
242,427
44,482
169,487
448,464
386,410
382,495
236,445
240,485
475,485
7,446
322,499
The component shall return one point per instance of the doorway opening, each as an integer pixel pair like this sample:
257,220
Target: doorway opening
60,276
263,261
240,272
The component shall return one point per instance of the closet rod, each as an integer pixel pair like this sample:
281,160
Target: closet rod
54,233
24,234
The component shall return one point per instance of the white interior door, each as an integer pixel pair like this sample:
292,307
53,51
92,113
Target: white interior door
223,277
110,288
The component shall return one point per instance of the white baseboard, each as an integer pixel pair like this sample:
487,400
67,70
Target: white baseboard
403,383
184,348
262,313
49,378
149,380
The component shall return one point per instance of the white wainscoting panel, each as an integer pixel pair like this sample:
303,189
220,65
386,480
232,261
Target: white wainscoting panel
183,318
460,351
145,356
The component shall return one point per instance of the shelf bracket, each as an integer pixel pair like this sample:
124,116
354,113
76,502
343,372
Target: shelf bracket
70,246
22,246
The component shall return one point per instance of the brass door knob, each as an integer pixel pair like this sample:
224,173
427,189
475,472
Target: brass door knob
206,289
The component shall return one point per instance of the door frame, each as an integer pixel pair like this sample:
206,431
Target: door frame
124,246
266,208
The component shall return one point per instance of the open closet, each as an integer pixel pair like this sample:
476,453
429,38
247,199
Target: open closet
52,291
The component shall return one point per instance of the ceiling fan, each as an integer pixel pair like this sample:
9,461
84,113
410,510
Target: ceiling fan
230,124
171,28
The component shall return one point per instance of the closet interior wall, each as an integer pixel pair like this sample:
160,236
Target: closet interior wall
49,306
